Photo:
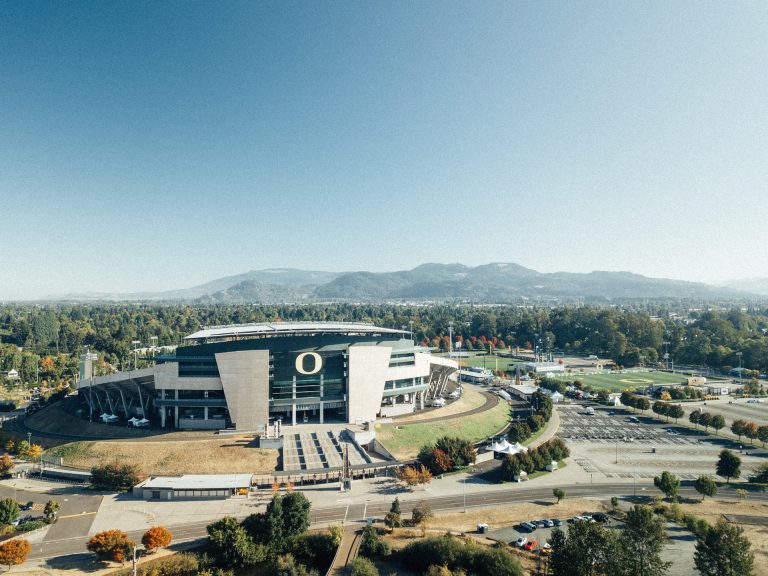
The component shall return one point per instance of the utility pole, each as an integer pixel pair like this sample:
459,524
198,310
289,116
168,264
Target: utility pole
450,339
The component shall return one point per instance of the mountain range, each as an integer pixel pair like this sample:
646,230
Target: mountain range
489,283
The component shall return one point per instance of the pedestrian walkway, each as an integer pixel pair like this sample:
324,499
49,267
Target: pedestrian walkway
347,551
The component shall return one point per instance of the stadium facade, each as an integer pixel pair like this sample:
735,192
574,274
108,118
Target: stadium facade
247,376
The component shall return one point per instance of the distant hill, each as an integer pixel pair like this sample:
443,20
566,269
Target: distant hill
496,283
753,285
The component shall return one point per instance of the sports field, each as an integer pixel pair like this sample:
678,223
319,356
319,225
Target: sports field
617,382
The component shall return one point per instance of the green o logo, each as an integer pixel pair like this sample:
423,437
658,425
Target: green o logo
317,363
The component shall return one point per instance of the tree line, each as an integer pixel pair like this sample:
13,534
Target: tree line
52,336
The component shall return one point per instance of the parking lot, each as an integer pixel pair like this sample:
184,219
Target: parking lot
607,426
617,444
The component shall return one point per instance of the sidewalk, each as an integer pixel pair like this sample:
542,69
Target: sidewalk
550,431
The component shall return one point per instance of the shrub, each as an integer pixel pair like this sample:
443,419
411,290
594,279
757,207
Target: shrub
316,547
457,555
421,512
13,552
181,564
372,545
120,476
362,567
30,525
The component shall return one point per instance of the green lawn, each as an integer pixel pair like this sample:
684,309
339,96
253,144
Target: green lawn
404,443
617,382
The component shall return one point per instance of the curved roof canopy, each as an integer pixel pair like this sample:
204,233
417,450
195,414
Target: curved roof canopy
289,328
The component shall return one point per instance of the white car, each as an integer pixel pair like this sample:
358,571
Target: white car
438,402
520,542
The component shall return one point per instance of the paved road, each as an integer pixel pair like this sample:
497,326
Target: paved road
355,513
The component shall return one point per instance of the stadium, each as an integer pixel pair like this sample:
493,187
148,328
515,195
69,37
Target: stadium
247,376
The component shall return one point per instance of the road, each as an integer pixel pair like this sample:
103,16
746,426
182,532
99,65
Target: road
358,513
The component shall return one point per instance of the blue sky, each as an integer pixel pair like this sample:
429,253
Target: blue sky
157,145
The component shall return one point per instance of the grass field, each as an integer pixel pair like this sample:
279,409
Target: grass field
404,440
231,455
618,382
490,362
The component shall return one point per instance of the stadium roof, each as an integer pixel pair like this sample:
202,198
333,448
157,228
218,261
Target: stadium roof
286,328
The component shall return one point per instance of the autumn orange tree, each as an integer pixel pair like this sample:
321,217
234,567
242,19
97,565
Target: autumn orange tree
110,545
13,552
6,464
156,537
34,452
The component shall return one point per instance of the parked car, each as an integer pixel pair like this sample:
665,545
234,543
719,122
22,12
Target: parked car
547,548
557,522
530,545
539,523
527,526
549,523
27,506
601,517
520,542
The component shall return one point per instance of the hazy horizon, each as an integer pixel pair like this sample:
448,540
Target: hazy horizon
154,147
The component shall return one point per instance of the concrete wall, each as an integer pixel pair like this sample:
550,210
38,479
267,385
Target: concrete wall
368,369
245,379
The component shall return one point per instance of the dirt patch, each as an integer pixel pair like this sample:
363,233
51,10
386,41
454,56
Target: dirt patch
712,510
511,514
228,455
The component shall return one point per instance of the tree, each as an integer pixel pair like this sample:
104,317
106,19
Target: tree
706,486
230,545
705,420
33,452
694,416
762,434
676,411
156,537
660,408
22,447
295,514
110,545
362,567
119,476
642,404
14,552
407,474
392,519
421,513
587,550
627,399
642,542
558,493
669,484
6,464
750,431
10,445
728,465
723,550
9,510
738,427
718,423
51,511
274,534
510,468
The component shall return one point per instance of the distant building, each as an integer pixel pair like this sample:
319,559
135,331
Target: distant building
544,367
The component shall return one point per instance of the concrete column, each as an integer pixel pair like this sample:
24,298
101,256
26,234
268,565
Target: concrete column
176,409
321,409
163,409
322,392
205,412
293,410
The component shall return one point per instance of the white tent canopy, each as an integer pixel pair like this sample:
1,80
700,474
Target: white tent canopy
504,447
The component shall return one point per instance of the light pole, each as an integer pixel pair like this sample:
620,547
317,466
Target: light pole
740,368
